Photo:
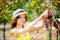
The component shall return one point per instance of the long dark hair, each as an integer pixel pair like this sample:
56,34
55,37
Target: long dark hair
14,21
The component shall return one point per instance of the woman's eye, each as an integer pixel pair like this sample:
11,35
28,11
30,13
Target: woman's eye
21,17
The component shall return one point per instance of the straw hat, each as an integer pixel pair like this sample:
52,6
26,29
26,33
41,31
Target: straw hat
18,12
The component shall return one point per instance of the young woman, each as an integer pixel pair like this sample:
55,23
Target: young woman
18,20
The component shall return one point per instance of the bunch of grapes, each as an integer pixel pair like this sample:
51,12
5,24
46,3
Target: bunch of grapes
48,20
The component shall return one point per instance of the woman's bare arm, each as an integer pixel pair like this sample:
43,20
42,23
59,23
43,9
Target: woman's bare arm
32,26
36,25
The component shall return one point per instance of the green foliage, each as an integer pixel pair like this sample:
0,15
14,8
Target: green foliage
33,7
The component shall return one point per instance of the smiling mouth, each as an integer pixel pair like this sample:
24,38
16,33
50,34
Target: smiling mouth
22,22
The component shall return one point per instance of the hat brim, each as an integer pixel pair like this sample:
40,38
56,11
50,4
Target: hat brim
13,17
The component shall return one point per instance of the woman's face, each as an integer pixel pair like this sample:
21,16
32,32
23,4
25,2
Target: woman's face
22,19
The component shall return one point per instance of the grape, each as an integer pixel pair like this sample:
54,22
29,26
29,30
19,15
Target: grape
46,23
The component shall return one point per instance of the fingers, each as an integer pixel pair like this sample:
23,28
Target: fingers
44,15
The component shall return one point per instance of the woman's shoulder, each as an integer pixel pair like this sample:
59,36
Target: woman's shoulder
12,30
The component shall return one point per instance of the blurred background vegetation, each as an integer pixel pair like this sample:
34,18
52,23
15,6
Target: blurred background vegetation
33,7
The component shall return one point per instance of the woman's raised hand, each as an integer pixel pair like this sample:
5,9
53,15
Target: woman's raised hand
44,14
